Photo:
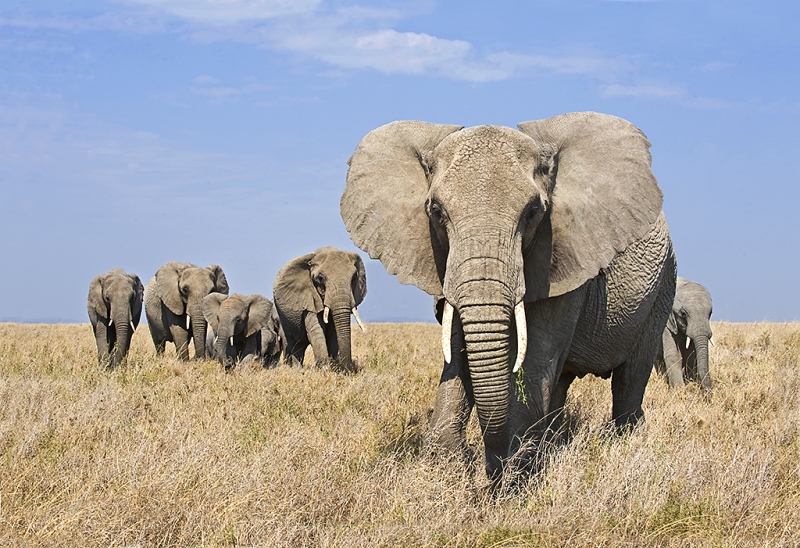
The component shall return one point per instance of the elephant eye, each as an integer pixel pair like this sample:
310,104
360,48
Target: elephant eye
436,212
533,213
184,290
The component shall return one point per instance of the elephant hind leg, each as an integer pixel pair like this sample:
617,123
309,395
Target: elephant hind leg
558,399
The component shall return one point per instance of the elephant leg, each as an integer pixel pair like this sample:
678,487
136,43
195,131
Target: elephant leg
673,358
180,336
690,362
558,399
454,400
101,339
316,335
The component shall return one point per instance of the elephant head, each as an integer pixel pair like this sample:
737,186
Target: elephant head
488,218
236,320
182,288
330,283
689,323
115,306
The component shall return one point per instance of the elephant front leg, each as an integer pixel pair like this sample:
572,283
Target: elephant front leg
101,339
180,336
673,359
454,401
316,335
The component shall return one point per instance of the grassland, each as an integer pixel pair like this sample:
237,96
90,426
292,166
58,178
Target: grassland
165,453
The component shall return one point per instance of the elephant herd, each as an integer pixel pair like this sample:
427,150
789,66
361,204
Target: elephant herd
314,297
546,252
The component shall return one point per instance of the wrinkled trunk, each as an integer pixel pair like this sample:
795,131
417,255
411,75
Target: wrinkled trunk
487,334
199,326
222,344
701,349
342,355
122,327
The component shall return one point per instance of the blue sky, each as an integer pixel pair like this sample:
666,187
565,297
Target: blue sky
137,132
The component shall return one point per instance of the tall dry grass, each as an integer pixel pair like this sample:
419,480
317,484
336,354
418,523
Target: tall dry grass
165,453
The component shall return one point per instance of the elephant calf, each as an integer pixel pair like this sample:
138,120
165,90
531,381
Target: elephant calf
115,306
173,303
309,289
684,343
242,328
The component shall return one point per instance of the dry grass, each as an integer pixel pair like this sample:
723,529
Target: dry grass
163,453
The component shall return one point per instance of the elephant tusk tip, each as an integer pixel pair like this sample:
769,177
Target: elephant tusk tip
447,331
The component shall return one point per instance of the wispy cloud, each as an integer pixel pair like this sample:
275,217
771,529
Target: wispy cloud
676,94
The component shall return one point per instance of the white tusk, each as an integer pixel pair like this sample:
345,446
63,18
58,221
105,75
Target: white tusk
447,330
325,314
110,321
688,342
133,327
522,335
361,325
188,320
231,341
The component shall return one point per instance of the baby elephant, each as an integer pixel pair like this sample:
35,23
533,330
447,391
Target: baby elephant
684,343
115,306
242,328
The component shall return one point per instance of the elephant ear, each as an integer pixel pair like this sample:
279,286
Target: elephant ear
211,304
96,303
259,315
604,197
360,282
168,286
293,288
138,297
220,281
383,204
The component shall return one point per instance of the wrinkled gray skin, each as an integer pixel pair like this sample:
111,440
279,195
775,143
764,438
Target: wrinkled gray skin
563,216
684,350
250,321
173,303
303,288
115,306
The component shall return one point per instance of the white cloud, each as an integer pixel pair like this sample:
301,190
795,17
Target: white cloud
223,12
645,90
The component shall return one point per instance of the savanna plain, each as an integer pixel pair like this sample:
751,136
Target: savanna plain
167,453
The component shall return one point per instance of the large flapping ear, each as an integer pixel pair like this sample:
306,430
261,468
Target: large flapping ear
96,302
259,315
604,196
383,204
138,296
293,288
360,282
168,286
220,281
211,304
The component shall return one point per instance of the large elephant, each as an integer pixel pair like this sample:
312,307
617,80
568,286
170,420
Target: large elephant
242,328
115,306
547,253
684,347
173,303
315,295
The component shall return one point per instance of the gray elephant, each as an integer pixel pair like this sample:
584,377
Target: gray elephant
315,295
115,306
548,254
684,347
242,328
173,303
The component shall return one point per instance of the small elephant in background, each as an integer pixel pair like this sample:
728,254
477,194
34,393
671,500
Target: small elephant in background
684,348
115,306
315,295
173,303
242,328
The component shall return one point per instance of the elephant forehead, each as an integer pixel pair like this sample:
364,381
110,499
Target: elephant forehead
119,284
232,304
335,261
198,278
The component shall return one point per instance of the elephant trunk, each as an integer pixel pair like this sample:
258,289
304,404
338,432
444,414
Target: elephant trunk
701,349
199,326
121,317
222,344
487,334
341,322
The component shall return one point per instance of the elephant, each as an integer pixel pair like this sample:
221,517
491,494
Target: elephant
173,303
684,343
309,289
547,253
115,306
242,328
